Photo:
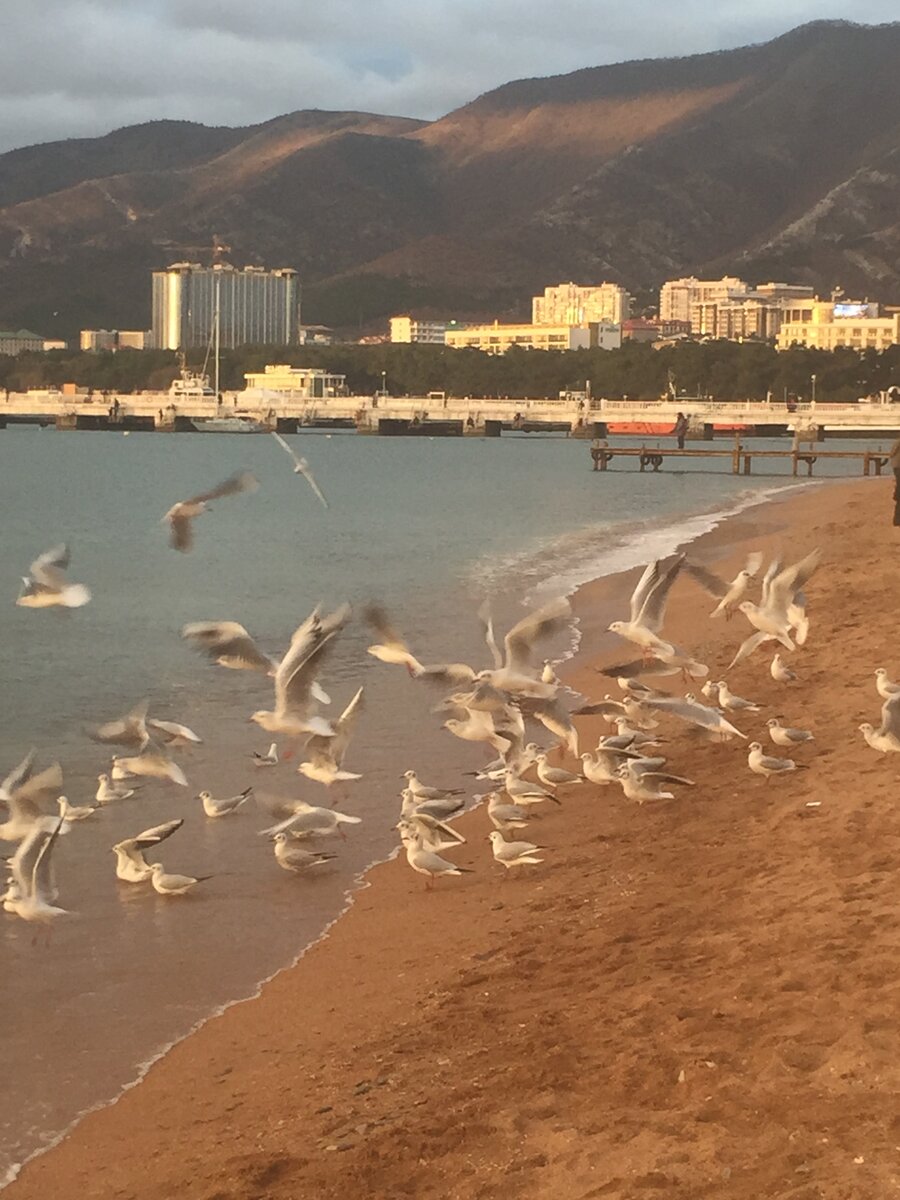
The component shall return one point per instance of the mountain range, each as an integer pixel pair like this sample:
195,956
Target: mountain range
774,161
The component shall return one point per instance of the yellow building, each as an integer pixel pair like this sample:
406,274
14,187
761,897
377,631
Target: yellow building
296,383
497,338
825,325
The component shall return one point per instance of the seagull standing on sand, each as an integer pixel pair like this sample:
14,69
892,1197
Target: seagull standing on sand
641,781
885,687
765,764
46,585
301,467
427,862
131,866
783,735
780,672
513,854
732,703
506,816
886,738
181,515
554,776
422,792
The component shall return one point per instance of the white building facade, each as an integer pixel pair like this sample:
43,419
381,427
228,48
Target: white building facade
572,304
406,329
497,338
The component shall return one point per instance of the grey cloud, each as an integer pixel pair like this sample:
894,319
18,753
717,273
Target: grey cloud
82,67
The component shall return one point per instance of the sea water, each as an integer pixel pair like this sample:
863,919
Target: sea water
426,527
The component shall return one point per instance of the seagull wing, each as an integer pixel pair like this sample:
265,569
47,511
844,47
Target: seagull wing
182,530
17,776
46,785
521,639
227,639
42,886
653,609
243,481
484,616
708,580
301,466
747,647
50,567
753,563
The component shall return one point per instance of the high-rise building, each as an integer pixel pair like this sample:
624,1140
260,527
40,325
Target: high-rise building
255,306
571,304
680,299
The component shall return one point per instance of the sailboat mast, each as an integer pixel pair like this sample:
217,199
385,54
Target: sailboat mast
217,323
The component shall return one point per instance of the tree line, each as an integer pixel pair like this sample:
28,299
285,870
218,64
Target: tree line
718,369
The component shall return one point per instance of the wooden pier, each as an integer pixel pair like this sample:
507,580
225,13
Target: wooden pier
873,461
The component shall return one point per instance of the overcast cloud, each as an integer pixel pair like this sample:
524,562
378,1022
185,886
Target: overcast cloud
71,68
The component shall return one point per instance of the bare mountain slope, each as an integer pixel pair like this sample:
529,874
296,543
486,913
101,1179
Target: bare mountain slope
779,160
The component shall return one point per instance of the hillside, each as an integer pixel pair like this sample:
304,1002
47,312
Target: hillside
779,160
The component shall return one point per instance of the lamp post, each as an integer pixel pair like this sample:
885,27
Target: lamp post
383,383
813,381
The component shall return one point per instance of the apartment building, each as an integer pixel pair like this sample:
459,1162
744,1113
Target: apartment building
254,306
830,325
572,304
497,338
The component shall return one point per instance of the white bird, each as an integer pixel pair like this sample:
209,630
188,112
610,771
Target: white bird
108,790
554,776
732,703
884,686
70,812
151,763
225,807
296,674
32,873
167,884
301,467
513,854
427,862
326,753
520,791
780,671
766,764
641,781
422,792
131,866
783,735
636,737
886,738
291,857
600,769
772,619
130,730
434,834
513,671
270,759
727,594
24,793
308,820
181,515
507,816
392,648
46,585
648,608
691,710
228,644
442,807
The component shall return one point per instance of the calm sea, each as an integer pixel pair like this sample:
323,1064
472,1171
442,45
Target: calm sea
427,527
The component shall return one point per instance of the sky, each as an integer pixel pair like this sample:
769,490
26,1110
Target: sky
76,68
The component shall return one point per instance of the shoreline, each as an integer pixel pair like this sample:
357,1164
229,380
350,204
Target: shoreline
364,899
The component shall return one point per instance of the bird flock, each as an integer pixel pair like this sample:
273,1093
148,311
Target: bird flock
515,706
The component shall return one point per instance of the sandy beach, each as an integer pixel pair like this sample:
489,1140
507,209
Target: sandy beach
694,998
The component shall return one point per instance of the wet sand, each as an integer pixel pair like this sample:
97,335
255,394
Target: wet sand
694,998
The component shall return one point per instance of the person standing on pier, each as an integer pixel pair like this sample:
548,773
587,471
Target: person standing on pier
894,460
680,429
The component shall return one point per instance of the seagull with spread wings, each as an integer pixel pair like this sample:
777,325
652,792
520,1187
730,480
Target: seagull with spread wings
301,467
46,585
296,674
181,515
131,866
648,609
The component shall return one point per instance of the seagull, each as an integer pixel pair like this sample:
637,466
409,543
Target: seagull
223,808
772,619
392,648
131,865
108,791
780,672
727,594
173,885
554,776
442,807
648,608
326,752
301,467
885,688
513,671
308,820
520,791
46,585
434,834
270,759
886,737
513,854
637,783
294,858
181,515
691,710
296,674
421,792
427,862
766,764
507,816
229,645
33,876
150,764
130,730
553,716
69,812
732,703
23,793
781,735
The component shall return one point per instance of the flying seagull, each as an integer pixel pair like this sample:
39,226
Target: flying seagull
181,515
46,585
301,467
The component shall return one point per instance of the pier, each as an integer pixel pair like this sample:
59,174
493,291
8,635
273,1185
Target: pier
741,457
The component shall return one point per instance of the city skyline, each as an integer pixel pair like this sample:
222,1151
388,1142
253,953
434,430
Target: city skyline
230,64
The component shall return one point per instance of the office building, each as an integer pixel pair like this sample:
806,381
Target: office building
679,298
571,304
18,341
255,306
497,338
412,329
830,325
